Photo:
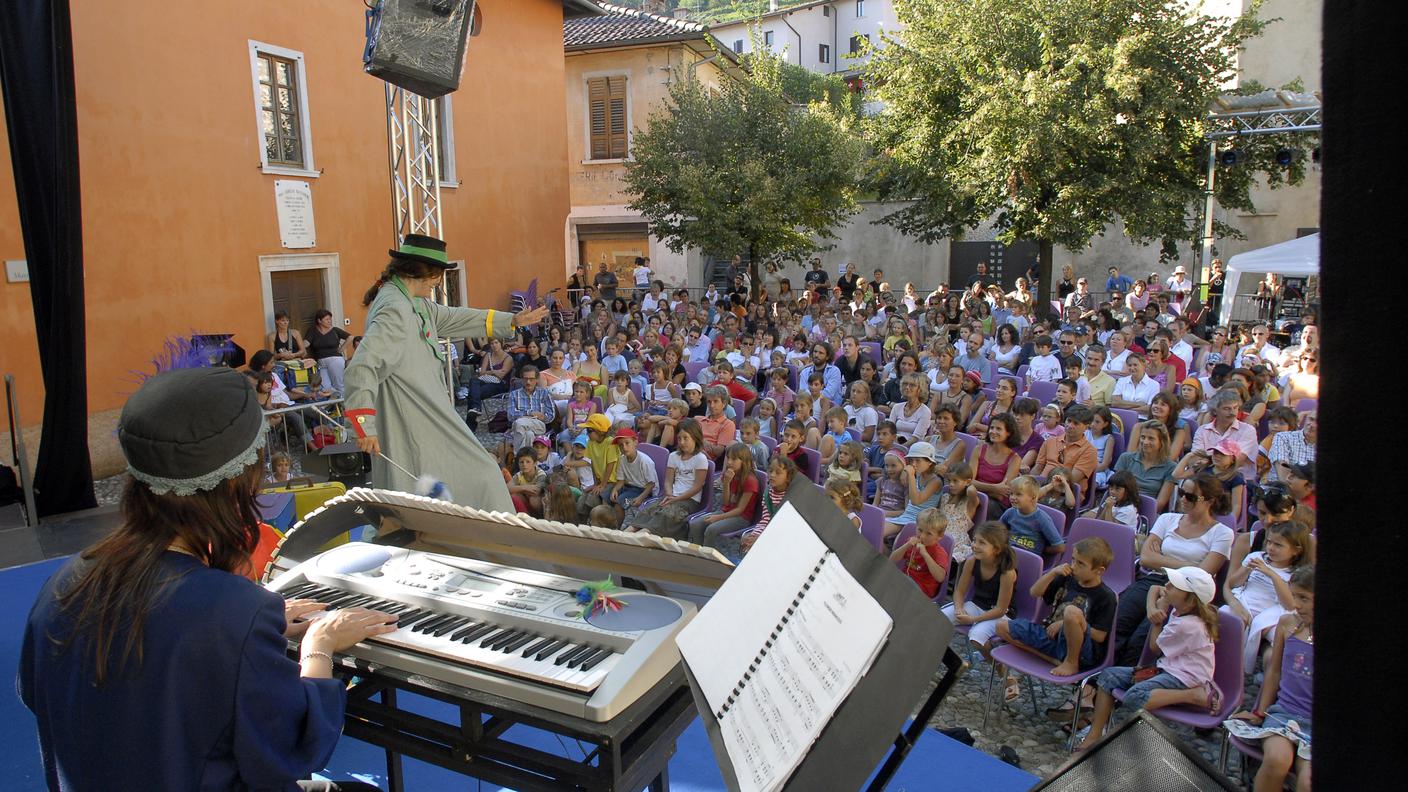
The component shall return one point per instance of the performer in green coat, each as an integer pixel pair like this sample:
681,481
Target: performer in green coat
396,395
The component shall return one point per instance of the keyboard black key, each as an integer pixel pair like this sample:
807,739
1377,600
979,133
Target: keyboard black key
478,632
430,624
514,645
550,650
464,630
449,626
532,648
298,591
503,640
578,658
491,637
412,616
592,661
569,654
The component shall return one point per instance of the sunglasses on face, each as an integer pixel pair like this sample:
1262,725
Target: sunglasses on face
1192,496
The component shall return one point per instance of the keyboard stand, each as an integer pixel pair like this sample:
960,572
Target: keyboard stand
626,754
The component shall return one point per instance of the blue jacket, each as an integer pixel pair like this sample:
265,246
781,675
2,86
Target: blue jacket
215,703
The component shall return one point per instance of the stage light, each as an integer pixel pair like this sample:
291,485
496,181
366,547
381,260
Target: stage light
1284,156
1229,157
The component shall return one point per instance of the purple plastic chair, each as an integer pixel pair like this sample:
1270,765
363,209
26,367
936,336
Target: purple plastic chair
635,388
1119,536
989,393
660,457
1128,420
792,372
1306,405
1058,518
1024,605
738,414
981,515
854,433
1029,665
1227,676
770,443
814,462
1149,510
692,369
969,441
1043,392
875,351
872,526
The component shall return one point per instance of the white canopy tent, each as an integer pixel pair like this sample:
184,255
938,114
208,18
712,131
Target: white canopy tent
1295,258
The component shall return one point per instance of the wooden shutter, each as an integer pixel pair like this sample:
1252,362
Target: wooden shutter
606,108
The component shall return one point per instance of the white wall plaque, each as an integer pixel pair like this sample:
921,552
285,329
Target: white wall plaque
294,201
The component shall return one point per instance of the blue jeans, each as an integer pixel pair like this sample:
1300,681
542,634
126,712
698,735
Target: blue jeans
479,390
1136,696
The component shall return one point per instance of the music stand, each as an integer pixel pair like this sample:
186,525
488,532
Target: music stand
869,721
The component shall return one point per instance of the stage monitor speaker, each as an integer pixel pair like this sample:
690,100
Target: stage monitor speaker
419,44
1140,756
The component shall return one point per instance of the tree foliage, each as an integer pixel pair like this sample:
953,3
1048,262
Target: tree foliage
740,168
1053,118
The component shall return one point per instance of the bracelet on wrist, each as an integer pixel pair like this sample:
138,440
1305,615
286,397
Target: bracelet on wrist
315,654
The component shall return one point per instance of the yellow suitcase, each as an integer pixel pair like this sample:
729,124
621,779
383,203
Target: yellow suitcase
309,495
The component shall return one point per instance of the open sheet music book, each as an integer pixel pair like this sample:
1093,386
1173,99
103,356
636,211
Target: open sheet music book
778,648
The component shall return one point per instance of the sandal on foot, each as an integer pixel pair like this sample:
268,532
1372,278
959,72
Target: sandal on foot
1080,724
1013,691
1062,714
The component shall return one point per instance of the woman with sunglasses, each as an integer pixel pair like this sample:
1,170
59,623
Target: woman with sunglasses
1191,536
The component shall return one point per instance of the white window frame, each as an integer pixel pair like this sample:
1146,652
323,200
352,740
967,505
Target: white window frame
824,53
587,77
860,9
329,263
445,120
309,169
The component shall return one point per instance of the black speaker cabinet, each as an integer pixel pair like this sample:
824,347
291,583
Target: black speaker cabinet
419,44
1140,756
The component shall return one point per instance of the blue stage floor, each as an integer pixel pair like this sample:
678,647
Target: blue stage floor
936,762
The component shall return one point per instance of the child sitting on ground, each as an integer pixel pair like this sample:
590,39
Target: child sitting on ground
1031,528
578,467
603,455
846,495
1183,630
560,501
603,516
1281,716
924,559
1073,636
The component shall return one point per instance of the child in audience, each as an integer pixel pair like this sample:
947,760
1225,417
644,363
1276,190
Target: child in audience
678,411
983,594
1056,492
923,484
635,476
1259,591
924,559
694,397
778,391
767,419
891,490
1278,420
1281,718
1073,636
621,402
846,495
959,504
1066,389
791,447
738,499
811,434
780,475
603,516
885,435
1183,630
815,388
1121,502
836,435
1050,424
581,407
1044,366
846,465
686,475
636,369
603,455
1031,529
560,502
526,486
281,468
658,395
543,455
577,464
748,433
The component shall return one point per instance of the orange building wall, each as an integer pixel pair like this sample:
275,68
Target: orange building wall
176,210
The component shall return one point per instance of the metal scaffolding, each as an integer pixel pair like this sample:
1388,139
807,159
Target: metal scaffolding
412,135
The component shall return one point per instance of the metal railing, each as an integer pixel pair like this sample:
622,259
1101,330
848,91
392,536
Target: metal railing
17,448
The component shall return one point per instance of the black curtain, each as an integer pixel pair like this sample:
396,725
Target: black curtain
36,71
1359,616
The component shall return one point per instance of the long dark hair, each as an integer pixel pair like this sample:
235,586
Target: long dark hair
120,577
406,268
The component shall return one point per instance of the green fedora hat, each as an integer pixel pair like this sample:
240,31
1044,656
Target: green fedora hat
425,249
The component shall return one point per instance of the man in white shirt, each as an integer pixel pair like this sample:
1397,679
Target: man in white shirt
1135,391
1264,351
654,300
1183,343
1179,285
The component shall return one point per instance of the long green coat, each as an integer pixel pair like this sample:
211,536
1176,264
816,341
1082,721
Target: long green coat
395,389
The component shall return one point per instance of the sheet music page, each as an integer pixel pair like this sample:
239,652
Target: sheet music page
789,686
728,632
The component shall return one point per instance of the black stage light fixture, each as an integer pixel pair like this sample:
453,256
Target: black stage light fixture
1284,156
1229,157
419,44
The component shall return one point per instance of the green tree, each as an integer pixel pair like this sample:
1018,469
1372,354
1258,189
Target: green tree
1054,119
742,168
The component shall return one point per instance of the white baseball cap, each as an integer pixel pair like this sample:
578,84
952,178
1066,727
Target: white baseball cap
694,386
1179,270
1194,580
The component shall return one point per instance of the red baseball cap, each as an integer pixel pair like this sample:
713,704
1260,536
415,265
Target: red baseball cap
621,434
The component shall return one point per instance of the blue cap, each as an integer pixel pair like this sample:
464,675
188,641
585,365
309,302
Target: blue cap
580,440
